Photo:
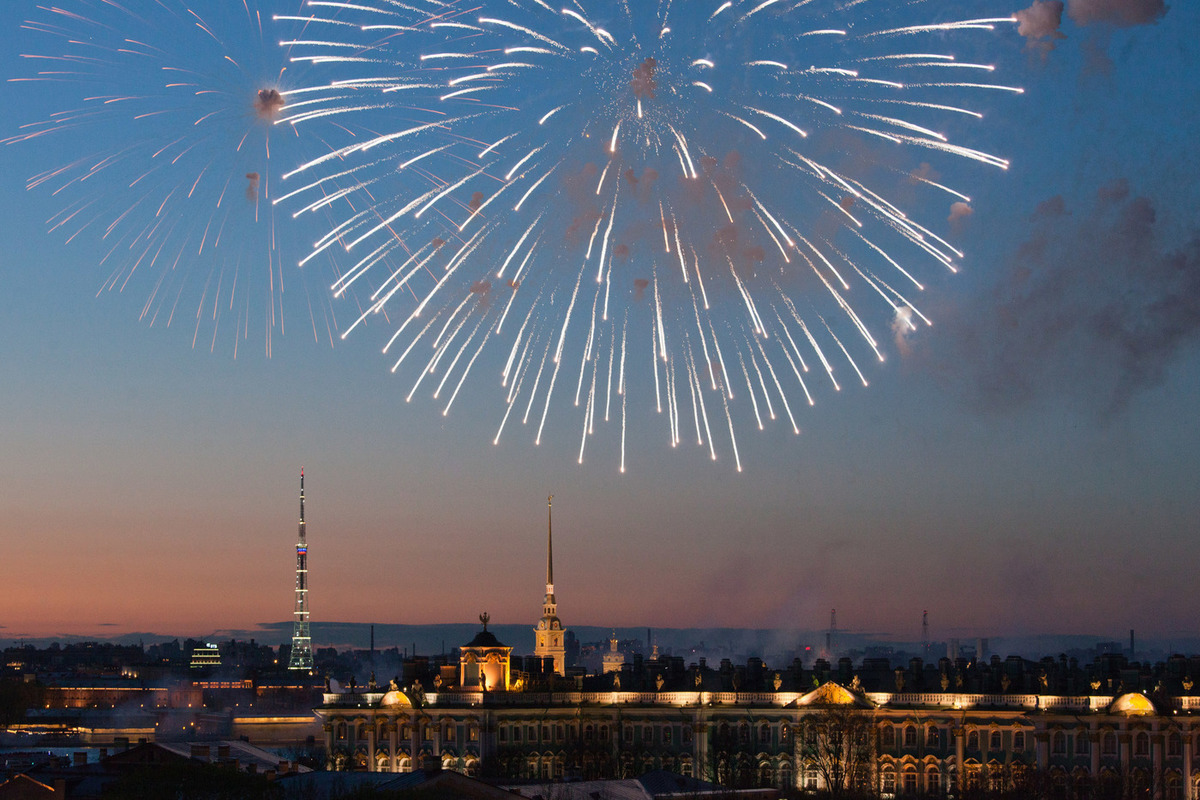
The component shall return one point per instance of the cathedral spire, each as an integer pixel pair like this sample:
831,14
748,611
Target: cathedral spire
549,545
548,635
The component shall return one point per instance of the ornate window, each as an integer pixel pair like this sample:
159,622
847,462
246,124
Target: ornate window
1174,745
910,736
1083,743
973,740
887,736
1058,743
1141,744
931,736
647,734
744,732
933,781
1108,745
888,780
764,733
994,744
910,780
1019,740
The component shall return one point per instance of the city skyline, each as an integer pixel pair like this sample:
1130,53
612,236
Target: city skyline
1025,466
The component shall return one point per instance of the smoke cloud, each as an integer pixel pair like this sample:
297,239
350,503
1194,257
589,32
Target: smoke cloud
1039,24
1092,306
1122,13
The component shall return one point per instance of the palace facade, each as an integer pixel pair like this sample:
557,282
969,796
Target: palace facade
756,727
1048,728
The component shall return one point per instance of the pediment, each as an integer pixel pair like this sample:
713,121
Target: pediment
1132,704
833,694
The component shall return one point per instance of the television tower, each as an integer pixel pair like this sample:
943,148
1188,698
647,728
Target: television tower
302,656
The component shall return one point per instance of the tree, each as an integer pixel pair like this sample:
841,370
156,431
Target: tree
838,742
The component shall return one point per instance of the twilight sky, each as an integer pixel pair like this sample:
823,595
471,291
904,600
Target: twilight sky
1026,465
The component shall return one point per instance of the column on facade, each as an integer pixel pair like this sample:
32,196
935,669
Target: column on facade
1157,744
351,742
1125,748
328,729
700,748
371,734
414,747
960,735
1042,751
394,745
1188,792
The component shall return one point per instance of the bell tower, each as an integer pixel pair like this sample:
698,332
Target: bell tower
548,635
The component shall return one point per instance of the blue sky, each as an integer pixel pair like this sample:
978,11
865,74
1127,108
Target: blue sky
1027,465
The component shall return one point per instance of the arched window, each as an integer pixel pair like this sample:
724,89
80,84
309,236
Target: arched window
888,780
1083,743
1019,740
785,775
910,779
1058,743
933,781
994,744
687,734
1174,786
647,734
764,733
785,731
932,736
887,736
764,774
744,732
1141,744
973,740
910,736
587,733
1174,745
1108,744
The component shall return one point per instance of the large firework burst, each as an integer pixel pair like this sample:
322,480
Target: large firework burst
705,192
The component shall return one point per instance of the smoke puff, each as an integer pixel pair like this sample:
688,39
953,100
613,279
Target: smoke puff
252,183
643,83
1039,24
1122,13
960,211
639,288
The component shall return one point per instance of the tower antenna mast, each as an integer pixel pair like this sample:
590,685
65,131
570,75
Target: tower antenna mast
302,655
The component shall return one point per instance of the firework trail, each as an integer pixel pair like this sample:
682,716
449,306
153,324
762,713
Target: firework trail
673,199
164,154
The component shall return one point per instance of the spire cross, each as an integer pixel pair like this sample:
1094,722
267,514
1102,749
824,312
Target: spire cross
549,542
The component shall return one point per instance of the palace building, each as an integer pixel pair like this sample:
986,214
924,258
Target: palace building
1049,727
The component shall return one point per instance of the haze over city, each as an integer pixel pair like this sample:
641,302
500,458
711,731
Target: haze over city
1027,465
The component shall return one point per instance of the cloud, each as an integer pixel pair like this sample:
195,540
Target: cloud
1122,13
1092,306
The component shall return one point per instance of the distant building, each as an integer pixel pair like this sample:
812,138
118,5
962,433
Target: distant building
206,656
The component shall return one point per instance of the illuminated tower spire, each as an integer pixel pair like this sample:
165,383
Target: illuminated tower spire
302,656
548,635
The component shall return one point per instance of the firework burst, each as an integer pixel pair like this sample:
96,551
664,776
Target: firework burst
167,116
701,203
